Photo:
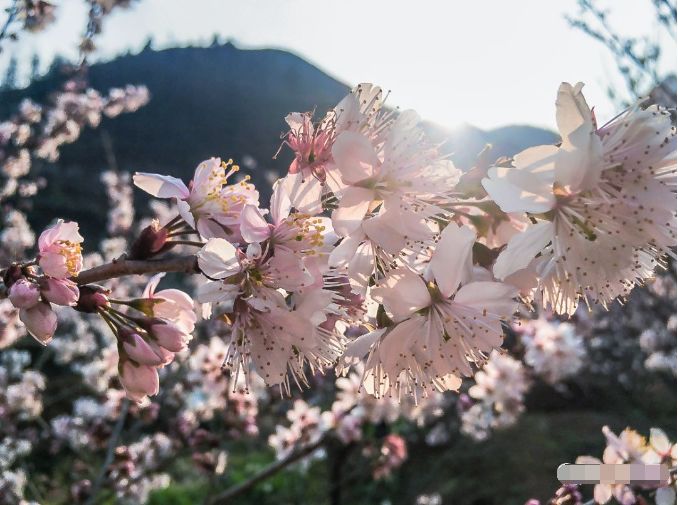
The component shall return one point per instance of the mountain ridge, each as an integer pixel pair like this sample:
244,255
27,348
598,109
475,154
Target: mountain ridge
208,101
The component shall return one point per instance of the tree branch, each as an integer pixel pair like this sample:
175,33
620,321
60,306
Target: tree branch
122,266
267,472
110,452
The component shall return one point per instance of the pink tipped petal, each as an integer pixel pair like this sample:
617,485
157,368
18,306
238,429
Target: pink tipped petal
452,261
218,259
161,186
54,265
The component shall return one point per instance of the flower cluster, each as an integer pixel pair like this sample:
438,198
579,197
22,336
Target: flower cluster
499,390
631,447
553,349
59,258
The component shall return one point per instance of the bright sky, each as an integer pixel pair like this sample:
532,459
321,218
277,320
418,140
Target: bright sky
484,62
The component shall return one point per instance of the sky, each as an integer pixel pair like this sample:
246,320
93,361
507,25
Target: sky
488,63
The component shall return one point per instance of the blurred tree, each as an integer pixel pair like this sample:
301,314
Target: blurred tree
637,58
35,67
10,79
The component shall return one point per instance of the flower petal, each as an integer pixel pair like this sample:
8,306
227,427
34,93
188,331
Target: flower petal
352,208
402,292
354,156
522,248
451,263
493,297
161,186
253,226
218,259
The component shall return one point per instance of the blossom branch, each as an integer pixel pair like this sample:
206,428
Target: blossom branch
122,267
267,472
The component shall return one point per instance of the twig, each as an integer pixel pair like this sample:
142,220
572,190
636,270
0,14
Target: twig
270,470
12,13
110,452
122,267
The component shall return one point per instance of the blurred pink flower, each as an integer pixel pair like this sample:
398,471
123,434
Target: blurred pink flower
59,291
24,294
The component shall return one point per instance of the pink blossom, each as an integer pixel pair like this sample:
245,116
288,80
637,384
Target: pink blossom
208,204
40,321
171,304
24,294
139,381
59,291
60,252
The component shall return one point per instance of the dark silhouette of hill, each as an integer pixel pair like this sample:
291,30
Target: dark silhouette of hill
207,101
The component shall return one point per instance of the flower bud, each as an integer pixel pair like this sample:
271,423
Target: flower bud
92,298
59,291
137,348
169,335
151,241
166,333
24,294
139,381
40,321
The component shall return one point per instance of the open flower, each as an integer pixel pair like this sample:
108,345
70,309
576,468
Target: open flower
268,331
313,171
442,322
209,205
60,253
602,203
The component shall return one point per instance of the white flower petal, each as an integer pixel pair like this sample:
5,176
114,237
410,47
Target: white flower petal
352,208
354,156
218,259
493,297
161,186
402,292
522,248
253,226
452,262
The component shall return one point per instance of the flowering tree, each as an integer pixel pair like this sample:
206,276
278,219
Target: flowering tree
376,258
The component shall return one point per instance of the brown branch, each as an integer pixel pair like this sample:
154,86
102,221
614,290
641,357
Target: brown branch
267,472
122,266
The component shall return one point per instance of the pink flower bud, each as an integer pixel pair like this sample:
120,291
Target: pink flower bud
59,291
92,298
169,335
166,356
139,381
137,348
40,321
151,241
24,294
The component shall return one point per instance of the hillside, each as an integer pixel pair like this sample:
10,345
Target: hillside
208,101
